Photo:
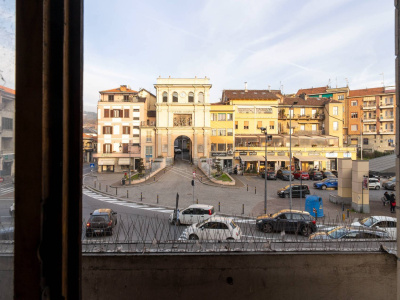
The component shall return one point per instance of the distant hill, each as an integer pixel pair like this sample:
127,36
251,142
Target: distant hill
89,118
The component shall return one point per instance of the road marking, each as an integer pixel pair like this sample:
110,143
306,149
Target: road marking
6,199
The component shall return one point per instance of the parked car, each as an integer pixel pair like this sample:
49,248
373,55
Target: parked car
326,183
384,223
315,175
193,214
336,173
177,150
7,233
390,184
12,210
284,174
287,220
213,229
327,174
349,232
303,174
374,183
101,221
298,190
270,175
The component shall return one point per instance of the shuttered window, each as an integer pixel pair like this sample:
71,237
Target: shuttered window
106,113
126,130
126,113
259,124
246,125
107,130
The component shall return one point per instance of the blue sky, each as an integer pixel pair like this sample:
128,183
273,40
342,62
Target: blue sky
290,43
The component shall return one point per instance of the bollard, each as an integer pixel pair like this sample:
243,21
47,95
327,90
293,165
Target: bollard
100,186
219,206
106,188
157,199
154,178
242,209
127,194
348,213
247,187
116,191
95,184
342,206
141,196
197,201
343,217
255,190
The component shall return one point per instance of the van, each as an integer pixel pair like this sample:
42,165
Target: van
374,183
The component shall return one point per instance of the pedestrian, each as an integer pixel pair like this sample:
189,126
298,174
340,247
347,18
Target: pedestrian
392,203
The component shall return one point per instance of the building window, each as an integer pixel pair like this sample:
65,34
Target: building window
165,97
221,132
354,103
107,130
229,132
126,98
335,111
271,125
341,97
365,141
175,97
221,147
229,147
191,97
107,148
213,132
236,125
302,111
125,148
259,124
117,113
335,126
213,147
126,113
354,127
246,125
313,113
148,136
314,127
149,151
7,123
111,98
213,117
302,127
229,117
354,115
106,113
201,97
126,130
221,117
136,110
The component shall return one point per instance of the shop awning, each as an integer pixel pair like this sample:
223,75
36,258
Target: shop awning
311,158
106,162
278,158
294,124
252,158
124,161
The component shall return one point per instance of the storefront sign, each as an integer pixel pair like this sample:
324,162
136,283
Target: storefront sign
347,155
242,153
281,153
331,155
271,153
313,153
252,153
297,153
218,154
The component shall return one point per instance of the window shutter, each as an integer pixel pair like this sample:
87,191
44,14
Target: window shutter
271,123
259,124
129,130
111,150
106,113
104,147
246,123
126,113
111,129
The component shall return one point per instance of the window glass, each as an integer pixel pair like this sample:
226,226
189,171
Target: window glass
229,117
229,132
221,147
221,117
191,97
175,97
165,97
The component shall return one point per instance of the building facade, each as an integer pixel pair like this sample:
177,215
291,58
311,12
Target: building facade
7,140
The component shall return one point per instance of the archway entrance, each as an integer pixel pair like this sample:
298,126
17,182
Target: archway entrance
183,148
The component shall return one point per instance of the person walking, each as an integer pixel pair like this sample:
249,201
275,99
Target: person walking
392,203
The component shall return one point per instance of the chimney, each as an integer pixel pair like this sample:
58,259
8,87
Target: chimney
302,96
245,86
269,88
123,88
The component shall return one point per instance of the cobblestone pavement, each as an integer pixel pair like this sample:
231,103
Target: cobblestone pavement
247,195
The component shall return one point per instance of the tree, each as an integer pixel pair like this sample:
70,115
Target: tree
141,166
218,166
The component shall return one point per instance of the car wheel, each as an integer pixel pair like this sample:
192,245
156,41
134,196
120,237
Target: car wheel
305,230
287,196
377,187
324,187
116,221
230,239
110,232
193,237
267,228
88,234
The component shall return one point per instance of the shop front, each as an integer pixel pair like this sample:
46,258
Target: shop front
305,163
251,163
106,165
225,159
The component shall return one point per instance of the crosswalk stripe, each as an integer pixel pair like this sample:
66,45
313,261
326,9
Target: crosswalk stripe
152,208
166,211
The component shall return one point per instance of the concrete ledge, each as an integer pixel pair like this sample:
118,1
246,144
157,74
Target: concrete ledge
340,200
233,182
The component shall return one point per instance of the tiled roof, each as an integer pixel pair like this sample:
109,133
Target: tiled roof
118,90
366,92
309,102
312,91
7,90
248,95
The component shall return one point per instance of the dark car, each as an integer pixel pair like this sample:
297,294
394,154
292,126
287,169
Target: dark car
390,184
101,222
327,174
336,173
287,220
284,174
301,175
315,175
270,175
7,233
298,190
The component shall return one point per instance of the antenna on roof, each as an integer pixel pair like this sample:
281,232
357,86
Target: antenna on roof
336,82
269,88
383,79
347,82
329,83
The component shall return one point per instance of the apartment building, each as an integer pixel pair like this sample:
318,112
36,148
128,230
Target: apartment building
123,114
372,119
7,140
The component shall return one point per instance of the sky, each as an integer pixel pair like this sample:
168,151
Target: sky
285,44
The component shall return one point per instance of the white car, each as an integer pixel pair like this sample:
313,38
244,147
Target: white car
177,150
193,214
214,229
384,223
374,183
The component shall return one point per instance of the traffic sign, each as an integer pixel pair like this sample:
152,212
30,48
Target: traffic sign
194,174
314,210
92,165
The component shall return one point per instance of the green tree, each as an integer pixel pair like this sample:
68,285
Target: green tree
141,166
218,166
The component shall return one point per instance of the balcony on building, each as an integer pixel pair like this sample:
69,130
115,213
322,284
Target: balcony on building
389,118
148,123
369,106
386,104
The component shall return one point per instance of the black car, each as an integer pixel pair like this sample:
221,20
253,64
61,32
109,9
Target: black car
327,174
284,174
270,175
315,175
287,220
336,173
298,190
101,222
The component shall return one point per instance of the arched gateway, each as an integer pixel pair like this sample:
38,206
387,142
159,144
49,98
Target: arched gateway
183,110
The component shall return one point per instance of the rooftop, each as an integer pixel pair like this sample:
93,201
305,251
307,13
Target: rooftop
248,95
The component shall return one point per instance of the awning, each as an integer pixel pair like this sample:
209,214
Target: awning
278,158
252,158
311,158
106,162
124,161
294,124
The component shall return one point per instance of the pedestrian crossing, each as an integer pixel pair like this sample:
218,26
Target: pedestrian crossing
5,191
124,203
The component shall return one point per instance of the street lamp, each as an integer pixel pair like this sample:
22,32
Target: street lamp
290,151
267,137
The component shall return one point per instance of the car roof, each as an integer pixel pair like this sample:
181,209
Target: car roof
294,211
102,211
203,206
384,218
219,219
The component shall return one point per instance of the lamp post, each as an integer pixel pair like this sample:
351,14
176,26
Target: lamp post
361,137
264,130
290,151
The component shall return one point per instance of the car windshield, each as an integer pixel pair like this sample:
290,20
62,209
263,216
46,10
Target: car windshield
233,225
286,172
99,219
337,232
326,179
201,223
328,173
368,221
393,179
